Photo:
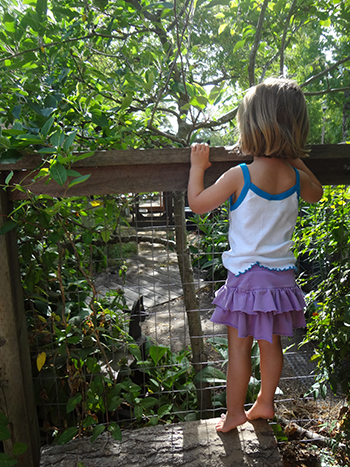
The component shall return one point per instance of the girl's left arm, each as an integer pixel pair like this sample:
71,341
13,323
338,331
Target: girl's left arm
204,200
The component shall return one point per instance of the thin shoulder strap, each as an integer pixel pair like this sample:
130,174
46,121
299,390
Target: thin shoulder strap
297,181
246,175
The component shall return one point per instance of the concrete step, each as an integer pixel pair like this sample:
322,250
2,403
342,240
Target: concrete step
190,444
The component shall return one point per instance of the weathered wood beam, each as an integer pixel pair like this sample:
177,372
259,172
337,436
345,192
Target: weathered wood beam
17,400
136,170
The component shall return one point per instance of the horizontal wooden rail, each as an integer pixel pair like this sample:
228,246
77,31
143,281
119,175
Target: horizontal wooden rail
137,170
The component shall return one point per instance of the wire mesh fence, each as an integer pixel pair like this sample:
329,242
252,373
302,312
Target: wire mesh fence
108,323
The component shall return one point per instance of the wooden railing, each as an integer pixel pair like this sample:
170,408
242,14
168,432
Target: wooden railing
135,170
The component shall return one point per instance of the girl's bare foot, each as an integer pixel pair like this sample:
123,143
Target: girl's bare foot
229,422
261,410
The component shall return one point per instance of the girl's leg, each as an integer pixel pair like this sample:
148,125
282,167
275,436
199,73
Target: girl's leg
238,375
271,364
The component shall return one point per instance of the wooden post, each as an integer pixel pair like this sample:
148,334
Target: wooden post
16,384
191,303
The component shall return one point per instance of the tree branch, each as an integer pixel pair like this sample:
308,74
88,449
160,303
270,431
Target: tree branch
53,44
324,72
283,42
220,121
167,135
292,427
183,9
272,59
327,91
254,50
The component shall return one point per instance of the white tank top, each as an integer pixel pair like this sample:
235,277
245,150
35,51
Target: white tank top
261,227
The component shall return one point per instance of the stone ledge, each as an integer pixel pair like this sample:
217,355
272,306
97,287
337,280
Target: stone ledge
191,444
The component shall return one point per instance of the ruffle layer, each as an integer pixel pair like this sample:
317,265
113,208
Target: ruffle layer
260,312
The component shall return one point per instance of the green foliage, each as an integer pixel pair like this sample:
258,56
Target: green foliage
324,239
119,74
18,448
210,242
89,374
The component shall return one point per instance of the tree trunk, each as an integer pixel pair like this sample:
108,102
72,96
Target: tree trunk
346,116
191,301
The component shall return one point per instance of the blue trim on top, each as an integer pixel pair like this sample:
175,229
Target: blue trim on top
245,189
269,197
297,182
263,194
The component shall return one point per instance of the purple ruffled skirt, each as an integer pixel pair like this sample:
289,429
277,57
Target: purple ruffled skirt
259,303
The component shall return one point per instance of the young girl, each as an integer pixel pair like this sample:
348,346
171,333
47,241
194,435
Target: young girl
260,298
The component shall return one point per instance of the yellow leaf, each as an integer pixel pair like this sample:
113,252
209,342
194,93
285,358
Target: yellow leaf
42,49
96,203
40,360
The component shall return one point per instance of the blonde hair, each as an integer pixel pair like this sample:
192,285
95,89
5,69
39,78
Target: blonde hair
273,120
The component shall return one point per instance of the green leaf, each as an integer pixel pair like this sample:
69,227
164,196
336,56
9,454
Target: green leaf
199,102
214,93
5,142
8,226
138,411
16,111
217,2
58,173
148,402
10,156
19,449
135,351
157,352
69,141
115,403
9,23
7,461
73,402
47,150
85,155
238,45
67,435
41,7
88,421
57,138
99,118
154,420
115,431
9,177
98,429
126,102
222,28
209,374
4,433
47,126
105,234
326,23
80,179
164,409
186,107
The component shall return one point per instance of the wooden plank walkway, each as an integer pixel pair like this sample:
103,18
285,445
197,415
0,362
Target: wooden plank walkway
153,273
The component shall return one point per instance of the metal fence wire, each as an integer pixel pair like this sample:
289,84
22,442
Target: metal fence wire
108,325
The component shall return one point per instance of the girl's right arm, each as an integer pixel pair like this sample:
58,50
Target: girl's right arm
311,189
204,200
